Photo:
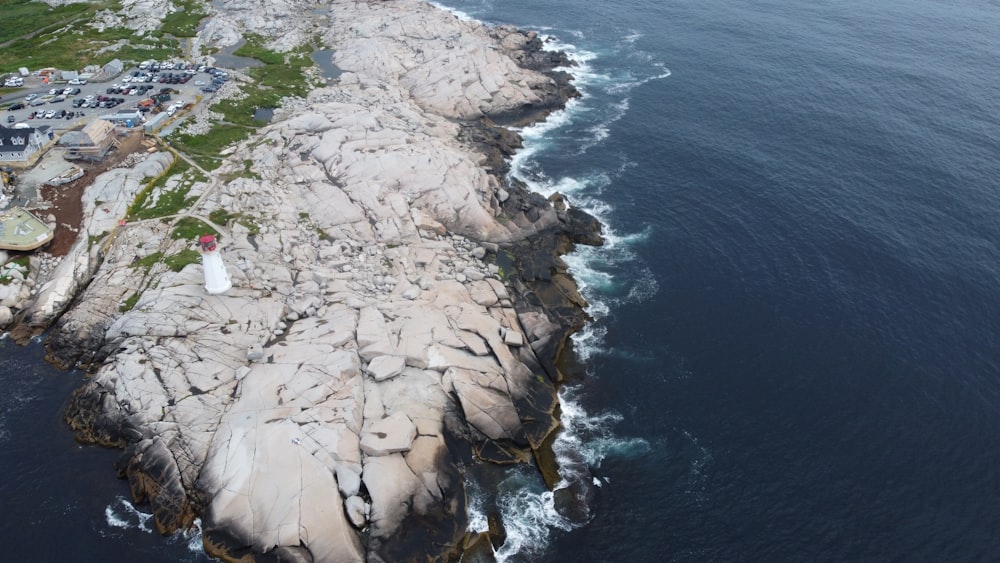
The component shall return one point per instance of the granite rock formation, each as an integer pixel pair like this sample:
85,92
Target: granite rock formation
324,408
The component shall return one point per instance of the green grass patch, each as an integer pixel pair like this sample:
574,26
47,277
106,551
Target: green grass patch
61,37
191,228
244,173
178,261
281,76
21,17
175,262
222,217
20,263
147,262
168,202
252,225
205,149
185,21
129,303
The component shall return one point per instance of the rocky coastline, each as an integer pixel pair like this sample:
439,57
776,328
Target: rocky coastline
400,309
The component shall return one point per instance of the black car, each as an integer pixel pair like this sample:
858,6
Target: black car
16,106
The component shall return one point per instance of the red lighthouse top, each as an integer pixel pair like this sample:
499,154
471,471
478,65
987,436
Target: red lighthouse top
207,243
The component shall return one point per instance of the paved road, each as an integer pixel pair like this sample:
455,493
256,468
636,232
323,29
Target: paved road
33,85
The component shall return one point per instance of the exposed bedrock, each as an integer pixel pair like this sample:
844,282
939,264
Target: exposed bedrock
399,309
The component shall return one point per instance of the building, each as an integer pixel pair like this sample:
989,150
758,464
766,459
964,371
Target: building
19,145
107,72
92,143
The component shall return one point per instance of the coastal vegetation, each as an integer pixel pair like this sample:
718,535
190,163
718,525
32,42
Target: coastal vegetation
19,263
155,200
184,22
191,228
281,75
35,35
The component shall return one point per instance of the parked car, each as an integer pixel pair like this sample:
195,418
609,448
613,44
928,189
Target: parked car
30,97
11,119
16,106
78,81
50,114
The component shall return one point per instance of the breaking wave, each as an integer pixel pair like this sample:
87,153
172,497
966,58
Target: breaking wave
557,157
122,517
528,510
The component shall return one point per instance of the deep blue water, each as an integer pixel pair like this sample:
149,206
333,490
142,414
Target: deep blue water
61,501
802,329
795,355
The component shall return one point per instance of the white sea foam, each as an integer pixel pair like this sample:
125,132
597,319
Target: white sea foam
458,13
586,440
528,510
123,515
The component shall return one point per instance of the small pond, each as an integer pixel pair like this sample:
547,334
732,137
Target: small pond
324,60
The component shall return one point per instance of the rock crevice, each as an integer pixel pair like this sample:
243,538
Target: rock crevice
400,309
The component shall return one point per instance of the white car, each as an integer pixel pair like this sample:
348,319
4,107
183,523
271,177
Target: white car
199,82
77,81
30,97
50,114
54,91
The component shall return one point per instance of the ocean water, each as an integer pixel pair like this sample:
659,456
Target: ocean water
61,501
796,347
795,351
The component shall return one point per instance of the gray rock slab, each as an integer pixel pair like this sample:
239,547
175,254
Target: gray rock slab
392,434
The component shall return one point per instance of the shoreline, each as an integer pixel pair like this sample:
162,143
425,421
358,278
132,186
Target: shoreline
535,322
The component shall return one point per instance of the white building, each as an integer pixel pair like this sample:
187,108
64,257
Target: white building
19,145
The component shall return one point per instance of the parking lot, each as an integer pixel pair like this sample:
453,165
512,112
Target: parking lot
67,105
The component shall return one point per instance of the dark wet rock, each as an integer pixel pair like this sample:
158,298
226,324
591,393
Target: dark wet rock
496,142
96,417
153,477
498,533
478,549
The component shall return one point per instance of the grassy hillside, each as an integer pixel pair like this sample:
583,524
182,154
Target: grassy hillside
36,35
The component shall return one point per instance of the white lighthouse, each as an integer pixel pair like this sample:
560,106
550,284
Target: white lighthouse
216,278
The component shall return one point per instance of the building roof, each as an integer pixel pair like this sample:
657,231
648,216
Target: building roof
15,140
92,135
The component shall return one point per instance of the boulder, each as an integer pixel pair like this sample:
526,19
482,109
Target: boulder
390,435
